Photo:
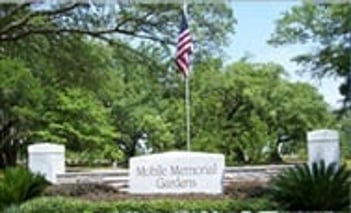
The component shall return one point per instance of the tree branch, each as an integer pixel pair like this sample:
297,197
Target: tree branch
142,57
9,32
125,21
92,33
16,8
20,23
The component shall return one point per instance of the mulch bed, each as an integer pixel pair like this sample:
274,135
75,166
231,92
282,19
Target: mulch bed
94,192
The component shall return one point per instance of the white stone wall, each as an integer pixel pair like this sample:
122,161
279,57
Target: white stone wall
47,159
323,145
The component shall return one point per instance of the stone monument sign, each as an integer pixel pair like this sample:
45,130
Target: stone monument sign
177,172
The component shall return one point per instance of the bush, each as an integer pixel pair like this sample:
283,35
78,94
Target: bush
78,189
316,188
18,185
12,209
62,205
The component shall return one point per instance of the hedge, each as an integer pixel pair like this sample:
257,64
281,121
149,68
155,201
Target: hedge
74,205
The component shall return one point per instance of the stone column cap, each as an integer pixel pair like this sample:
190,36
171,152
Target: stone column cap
46,148
323,135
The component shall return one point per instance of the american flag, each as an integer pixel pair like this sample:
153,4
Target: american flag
184,47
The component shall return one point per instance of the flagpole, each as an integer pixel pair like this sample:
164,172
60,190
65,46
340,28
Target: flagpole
187,100
187,108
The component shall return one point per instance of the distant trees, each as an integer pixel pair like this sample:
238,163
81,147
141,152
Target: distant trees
244,109
60,89
99,86
20,98
328,28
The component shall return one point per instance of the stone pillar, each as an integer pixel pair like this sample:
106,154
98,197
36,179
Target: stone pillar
47,159
323,145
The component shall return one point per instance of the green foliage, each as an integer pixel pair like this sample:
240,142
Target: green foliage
100,99
18,185
12,209
79,120
242,110
18,85
319,187
60,204
68,56
137,110
96,158
239,110
20,98
326,26
344,127
59,36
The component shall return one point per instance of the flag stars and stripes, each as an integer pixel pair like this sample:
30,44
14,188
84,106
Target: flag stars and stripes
184,48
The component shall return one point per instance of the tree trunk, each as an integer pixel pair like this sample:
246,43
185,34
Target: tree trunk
11,153
8,155
8,146
129,150
274,156
239,155
2,160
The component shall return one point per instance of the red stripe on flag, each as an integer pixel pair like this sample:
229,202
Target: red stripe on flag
184,49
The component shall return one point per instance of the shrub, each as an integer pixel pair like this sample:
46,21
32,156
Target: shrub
62,205
12,209
18,185
312,188
78,189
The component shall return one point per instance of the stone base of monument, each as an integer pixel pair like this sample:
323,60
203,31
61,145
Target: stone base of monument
177,173
119,178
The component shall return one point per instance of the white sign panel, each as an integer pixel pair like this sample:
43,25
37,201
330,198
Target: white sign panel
177,172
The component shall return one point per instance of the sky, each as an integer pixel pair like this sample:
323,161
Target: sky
255,24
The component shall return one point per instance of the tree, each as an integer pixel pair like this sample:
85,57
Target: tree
241,110
327,27
158,24
244,109
77,119
71,51
36,99
20,98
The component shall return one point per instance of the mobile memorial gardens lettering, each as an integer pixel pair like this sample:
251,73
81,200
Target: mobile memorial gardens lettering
176,176
176,172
